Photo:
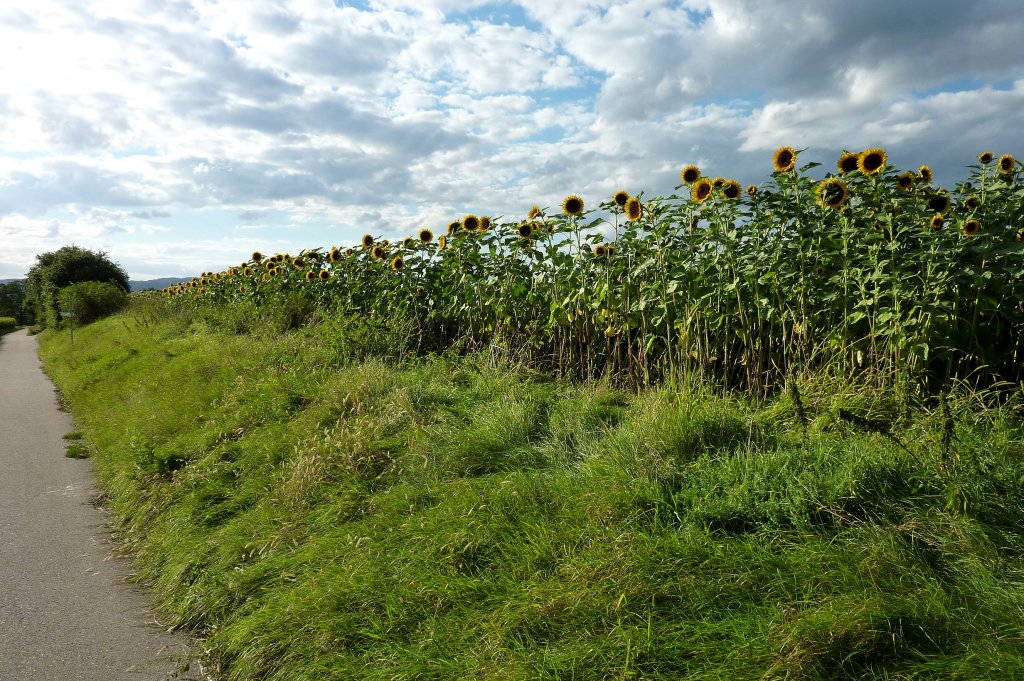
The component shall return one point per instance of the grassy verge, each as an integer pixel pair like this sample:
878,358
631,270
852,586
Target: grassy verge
317,518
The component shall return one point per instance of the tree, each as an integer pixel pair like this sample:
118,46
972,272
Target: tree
12,301
63,267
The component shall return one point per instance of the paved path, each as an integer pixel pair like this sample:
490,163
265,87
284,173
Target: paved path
66,612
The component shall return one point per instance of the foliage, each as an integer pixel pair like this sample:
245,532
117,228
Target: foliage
314,516
8,324
91,300
68,265
12,301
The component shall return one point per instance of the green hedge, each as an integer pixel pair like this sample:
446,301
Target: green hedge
8,324
91,300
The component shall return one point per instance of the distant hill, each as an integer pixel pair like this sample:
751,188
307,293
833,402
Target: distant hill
155,283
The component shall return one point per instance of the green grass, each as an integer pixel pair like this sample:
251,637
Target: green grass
313,517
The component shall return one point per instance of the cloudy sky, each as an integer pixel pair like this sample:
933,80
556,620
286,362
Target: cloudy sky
180,135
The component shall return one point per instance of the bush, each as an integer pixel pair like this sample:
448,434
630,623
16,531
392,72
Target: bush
91,300
8,324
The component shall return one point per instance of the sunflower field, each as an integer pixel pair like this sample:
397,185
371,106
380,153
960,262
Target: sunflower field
869,269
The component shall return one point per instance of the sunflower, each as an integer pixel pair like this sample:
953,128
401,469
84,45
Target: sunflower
485,223
971,227
701,190
426,236
937,221
925,173
526,230
620,197
572,205
534,212
819,270
310,275
939,203
1019,236
246,271
973,201
256,256
872,161
600,251
397,264
275,271
442,242
334,255
847,162
377,252
299,263
751,189
324,275
453,226
905,181
609,250
784,159
367,241
470,223
731,189
633,209
348,252
1007,164
717,182
689,174
832,192
986,156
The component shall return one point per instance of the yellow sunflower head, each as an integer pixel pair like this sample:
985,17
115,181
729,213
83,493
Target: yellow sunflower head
717,182
256,256
633,209
324,275
310,275
397,263
832,192
847,162
701,190
986,156
731,189
534,212
334,255
348,252
971,227
470,223
299,263
819,270
408,242
609,250
526,230
689,174
246,271
426,236
377,252
442,242
751,189
939,203
937,221
485,223
1007,164
572,205
620,197
925,173
872,161
599,250
367,241
1019,236
905,181
453,226
784,159
973,202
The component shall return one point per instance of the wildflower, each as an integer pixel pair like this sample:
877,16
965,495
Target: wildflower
534,212
620,197
871,161
937,221
971,227
689,174
905,181
986,156
939,203
925,173
832,192
731,189
784,159
470,223
426,236
633,209
572,205
1007,164
367,241
973,201
701,190
847,162
397,264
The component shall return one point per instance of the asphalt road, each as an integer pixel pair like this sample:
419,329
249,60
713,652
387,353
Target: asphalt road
67,612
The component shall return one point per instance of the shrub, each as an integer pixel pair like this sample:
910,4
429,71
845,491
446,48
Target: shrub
91,300
8,324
